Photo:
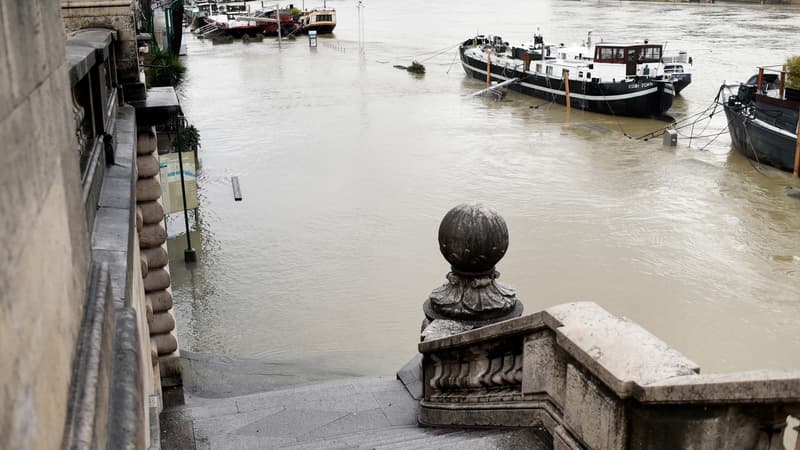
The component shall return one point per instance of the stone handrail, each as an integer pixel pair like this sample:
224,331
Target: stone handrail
594,380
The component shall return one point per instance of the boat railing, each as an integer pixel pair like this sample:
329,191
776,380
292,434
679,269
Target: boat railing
762,71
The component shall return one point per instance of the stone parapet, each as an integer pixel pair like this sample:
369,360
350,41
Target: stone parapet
597,381
113,382
119,16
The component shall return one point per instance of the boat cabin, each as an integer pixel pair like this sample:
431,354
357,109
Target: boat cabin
207,7
233,9
630,55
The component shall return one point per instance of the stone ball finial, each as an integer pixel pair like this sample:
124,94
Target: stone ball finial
473,238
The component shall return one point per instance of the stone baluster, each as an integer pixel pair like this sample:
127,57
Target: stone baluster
152,241
479,367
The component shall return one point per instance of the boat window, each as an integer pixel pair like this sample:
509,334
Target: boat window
588,74
538,68
549,70
580,74
324,18
610,54
650,53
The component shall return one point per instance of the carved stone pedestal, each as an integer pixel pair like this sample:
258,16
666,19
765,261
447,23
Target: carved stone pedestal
472,238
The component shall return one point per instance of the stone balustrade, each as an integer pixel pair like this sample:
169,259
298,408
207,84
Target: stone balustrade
581,376
594,380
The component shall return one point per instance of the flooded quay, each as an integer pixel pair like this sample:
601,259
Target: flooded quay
347,165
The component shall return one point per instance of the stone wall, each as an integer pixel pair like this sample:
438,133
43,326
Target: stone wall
118,15
44,246
78,370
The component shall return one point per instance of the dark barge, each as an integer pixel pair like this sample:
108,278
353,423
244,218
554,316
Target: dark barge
615,80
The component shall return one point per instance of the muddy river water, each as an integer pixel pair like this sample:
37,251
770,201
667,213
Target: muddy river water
348,164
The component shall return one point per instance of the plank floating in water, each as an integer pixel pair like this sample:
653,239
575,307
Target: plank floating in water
495,86
237,191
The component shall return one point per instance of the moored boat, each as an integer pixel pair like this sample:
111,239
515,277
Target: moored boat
616,79
199,11
678,67
224,18
763,120
287,22
674,67
322,20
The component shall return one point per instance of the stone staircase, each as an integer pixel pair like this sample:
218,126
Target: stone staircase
363,413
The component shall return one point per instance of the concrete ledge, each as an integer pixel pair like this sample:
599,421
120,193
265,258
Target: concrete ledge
524,324
760,386
160,106
618,351
521,414
85,48
126,414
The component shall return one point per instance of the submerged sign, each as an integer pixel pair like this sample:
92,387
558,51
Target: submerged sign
171,181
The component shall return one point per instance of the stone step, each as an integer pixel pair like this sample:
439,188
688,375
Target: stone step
351,413
412,433
455,439
405,438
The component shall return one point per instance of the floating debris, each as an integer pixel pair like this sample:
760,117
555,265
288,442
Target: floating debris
224,39
255,37
792,192
415,68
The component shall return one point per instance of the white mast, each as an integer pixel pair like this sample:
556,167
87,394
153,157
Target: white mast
361,34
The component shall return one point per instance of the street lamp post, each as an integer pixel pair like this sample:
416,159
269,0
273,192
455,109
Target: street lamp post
189,255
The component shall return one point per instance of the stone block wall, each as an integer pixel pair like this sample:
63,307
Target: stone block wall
44,247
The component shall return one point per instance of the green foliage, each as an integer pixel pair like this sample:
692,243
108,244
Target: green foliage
190,138
296,12
793,72
158,72
292,37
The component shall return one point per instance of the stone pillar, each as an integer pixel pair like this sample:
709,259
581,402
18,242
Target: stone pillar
155,259
472,238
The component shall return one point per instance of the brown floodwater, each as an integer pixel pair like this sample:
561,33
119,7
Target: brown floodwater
348,164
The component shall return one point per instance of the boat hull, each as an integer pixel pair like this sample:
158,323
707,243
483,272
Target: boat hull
680,81
320,29
637,98
759,141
